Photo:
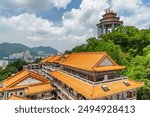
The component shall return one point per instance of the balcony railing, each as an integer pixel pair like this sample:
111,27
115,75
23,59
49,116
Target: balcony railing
111,80
96,83
83,79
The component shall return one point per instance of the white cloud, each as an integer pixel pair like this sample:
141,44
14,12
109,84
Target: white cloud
34,38
33,4
137,12
60,3
83,21
27,22
77,25
129,5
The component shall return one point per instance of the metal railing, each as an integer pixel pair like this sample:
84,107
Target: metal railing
96,83
85,80
76,76
111,80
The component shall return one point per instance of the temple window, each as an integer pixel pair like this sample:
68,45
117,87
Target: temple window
20,93
129,94
118,96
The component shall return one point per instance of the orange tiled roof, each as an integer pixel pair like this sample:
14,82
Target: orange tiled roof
94,92
16,87
54,58
43,86
34,89
83,60
14,97
51,59
20,76
115,87
63,58
46,59
1,89
89,61
107,68
14,78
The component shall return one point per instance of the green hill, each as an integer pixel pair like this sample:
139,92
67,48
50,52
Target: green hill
9,48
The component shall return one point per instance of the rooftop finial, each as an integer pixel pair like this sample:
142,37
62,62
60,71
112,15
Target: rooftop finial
109,10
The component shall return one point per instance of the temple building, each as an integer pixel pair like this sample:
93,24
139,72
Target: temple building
109,22
75,76
26,85
88,76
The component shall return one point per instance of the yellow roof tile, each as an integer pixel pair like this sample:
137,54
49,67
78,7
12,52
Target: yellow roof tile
20,76
40,88
83,60
94,92
1,89
43,86
34,88
46,59
15,78
51,59
115,87
16,87
89,61
54,58
107,68
63,58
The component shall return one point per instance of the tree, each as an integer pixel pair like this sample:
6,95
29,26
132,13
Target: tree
67,52
144,92
12,68
146,50
137,69
81,48
130,39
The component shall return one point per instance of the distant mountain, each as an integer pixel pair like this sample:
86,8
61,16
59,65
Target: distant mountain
7,49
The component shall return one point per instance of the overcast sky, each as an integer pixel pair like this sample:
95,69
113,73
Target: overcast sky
63,24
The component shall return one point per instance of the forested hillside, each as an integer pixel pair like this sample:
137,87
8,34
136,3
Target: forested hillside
12,68
129,46
7,49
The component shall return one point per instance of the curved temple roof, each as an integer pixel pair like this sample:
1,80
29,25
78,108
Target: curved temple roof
42,85
95,91
86,61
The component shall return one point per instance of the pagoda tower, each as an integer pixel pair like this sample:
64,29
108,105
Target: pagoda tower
109,22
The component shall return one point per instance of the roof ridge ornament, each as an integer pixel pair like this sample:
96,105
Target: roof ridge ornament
109,10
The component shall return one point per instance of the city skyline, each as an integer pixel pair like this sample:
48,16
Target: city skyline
63,24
